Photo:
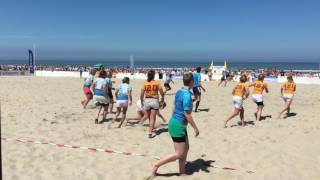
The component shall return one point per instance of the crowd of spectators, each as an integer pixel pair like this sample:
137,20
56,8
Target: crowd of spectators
270,72
13,68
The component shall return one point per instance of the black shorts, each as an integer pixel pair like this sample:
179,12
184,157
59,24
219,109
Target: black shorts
259,103
179,139
223,79
196,91
110,94
101,104
167,85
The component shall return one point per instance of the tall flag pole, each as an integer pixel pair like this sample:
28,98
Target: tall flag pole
34,56
131,64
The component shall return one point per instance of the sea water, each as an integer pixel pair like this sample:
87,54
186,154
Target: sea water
175,63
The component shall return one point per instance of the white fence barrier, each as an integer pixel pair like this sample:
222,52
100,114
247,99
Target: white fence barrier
298,80
60,74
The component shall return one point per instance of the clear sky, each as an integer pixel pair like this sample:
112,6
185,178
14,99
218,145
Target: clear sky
237,30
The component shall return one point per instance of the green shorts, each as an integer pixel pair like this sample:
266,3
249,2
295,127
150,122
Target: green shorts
176,129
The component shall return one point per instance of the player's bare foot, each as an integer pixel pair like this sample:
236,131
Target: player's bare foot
125,122
154,169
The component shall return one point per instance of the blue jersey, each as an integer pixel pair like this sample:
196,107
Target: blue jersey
88,81
124,90
182,102
196,79
98,89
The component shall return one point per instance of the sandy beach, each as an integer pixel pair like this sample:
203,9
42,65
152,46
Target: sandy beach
49,109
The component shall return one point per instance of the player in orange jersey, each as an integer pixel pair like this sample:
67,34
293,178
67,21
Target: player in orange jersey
150,100
258,87
287,93
240,93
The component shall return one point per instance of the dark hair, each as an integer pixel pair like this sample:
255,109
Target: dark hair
198,69
109,73
261,77
243,78
126,80
289,77
93,71
187,79
151,75
102,74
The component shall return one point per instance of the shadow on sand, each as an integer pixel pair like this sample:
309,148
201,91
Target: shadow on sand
206,110
289,115
246,123
263,118
193,167
105,120
161,130
130,123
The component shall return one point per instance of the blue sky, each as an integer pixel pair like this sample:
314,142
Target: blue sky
237,30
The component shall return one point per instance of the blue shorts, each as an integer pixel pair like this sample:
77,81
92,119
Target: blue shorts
196,91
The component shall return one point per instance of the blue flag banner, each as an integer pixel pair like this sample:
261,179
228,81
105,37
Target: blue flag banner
31,61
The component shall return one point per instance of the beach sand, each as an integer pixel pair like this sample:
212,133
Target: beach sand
49,109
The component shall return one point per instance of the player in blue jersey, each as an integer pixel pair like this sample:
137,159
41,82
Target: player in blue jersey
86,88
181,116
124,98
100,95
197,87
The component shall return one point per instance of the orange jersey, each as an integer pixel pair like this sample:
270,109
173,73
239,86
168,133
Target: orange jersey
289,87
240,89
258,87
151,88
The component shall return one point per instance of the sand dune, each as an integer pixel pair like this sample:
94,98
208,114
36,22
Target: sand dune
49,109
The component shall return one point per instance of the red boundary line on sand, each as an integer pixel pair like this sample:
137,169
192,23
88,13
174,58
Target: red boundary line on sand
93,149
60,145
